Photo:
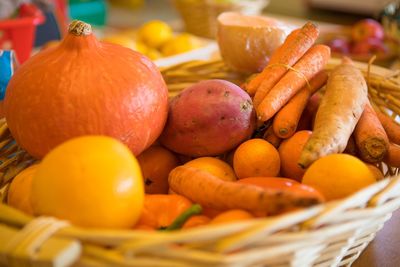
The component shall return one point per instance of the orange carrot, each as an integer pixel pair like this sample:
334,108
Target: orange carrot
393,156
391,127
279,71
204,188
245,84
313,105
371,139
341,107
286,120
310,111
305,69
293,48
271,137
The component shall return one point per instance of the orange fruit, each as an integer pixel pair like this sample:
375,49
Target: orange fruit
289,152
182,43
232,216
91,181
19,192
156,162
338,175
122,40
155,33
256,157
377,172
195,221
216,167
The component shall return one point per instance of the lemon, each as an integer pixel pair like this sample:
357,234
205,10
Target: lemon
153,54
338,175
123,40
180,44
141,47
154,33
91,181
127,41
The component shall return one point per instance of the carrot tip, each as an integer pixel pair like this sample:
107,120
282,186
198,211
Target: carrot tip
283,131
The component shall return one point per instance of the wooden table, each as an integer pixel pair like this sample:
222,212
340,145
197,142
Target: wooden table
384,250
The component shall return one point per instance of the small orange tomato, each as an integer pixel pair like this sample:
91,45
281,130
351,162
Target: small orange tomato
196,221
232,216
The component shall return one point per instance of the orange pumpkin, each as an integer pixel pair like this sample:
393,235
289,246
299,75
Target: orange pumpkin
82,87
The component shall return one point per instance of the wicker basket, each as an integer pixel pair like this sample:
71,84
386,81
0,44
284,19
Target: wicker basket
333,234
199,16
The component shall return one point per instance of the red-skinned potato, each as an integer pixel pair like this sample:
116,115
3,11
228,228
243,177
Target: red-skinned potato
208,119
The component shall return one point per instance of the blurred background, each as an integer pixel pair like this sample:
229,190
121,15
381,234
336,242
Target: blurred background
181,25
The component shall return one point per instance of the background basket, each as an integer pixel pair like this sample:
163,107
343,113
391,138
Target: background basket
332,234
199,16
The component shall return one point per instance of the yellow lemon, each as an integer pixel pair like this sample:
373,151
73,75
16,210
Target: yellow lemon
19,193
338,175
120,39
153,54
141,47
91,181
155,33
126,41
180,44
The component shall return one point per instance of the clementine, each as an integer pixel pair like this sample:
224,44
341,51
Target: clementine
338,175
156,162
256,157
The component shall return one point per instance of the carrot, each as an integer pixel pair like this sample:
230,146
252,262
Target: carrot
271,137
391,127
313,104
311,108
337,116
279,71
246,83
305,69
294,47
393,156
371,139
205,189
286,120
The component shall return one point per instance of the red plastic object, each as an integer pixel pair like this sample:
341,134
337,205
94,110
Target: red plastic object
20,32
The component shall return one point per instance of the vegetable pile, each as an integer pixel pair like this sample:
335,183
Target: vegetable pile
294,136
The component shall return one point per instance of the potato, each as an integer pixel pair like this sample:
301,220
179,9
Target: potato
208,119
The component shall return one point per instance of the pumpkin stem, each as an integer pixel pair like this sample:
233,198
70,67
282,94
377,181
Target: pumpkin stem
79,28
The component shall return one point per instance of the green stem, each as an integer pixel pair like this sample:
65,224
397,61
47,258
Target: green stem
195,209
